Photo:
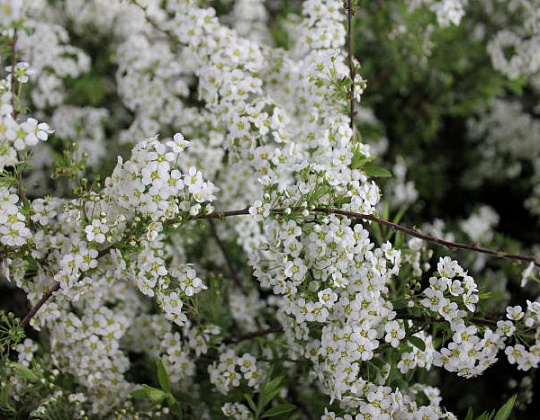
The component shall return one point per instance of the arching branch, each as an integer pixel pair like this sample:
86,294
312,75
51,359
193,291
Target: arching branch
366,217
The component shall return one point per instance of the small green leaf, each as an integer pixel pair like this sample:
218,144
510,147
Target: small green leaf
277,410
163,377
359,159
399,214
386,210
400,304
378,233
470,414
251,403
417,342
400,238
376,171
485,295
24,372
139,394
177,410
268,391
506,409
170,399
378,363
485,416
183,397
154,394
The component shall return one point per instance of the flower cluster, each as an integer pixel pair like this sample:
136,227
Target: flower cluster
133,259
13,224
16,137
152,185
448,12
232,369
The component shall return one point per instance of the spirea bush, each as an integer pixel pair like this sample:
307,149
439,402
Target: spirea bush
269,209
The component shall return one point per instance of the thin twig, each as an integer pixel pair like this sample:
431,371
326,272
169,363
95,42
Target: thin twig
105,251
298,401
400,315
408,231
232,270
420,318
233,339
170,34
26,320
224,214
33,311
449,244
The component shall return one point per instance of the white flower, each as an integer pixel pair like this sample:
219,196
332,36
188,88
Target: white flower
527,274
96,231
327,297
26,351
259,211
514,313
394,333
178,144
34,132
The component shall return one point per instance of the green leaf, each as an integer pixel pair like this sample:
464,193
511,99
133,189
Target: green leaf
378,233
155,395
139,394
24,372
251,403
268,391
359,159
183,397
277,410
163,377
399,214
400,304
177,410
483,416
386,210
417,342
400,238
485,295
378,363
505,411
470,414
376,171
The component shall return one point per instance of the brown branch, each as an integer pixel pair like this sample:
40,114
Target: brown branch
233,339
408,231
232,270
170,34
420,318
21,187
400,315
449,244
26,320
33,311
224,214
105,251
298,401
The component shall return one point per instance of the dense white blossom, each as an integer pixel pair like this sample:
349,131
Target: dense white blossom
217,118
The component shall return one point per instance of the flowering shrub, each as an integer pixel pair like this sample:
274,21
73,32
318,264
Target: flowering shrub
195,220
